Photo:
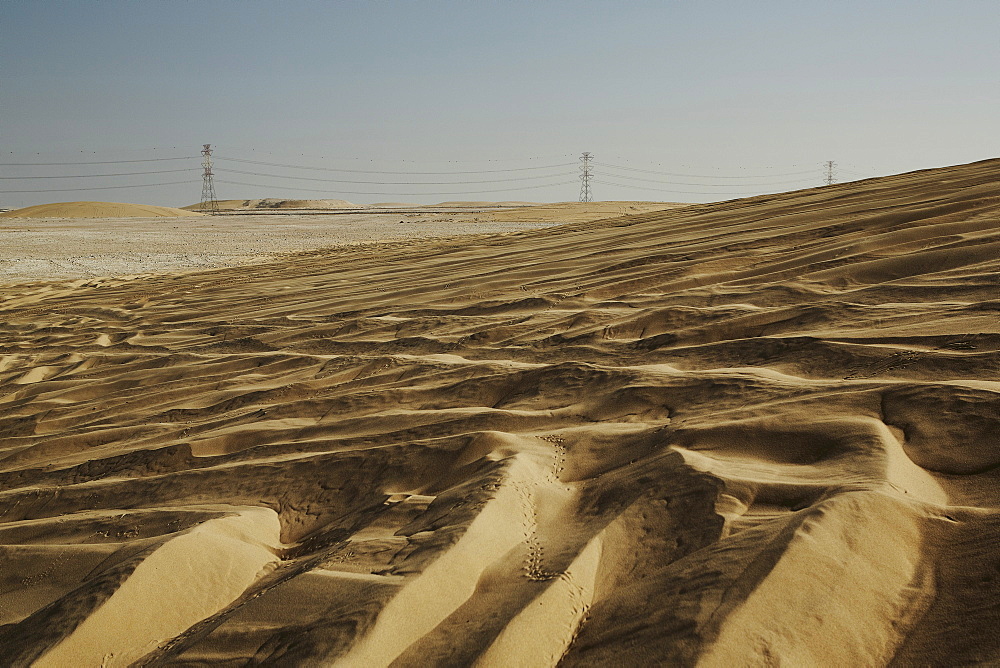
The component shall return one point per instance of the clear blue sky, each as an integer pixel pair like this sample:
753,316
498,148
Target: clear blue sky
702,88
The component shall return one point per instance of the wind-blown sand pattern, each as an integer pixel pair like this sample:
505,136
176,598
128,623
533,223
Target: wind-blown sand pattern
747,433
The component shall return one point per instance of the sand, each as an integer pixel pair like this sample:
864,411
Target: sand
68,248
578,212
276,203
97,210
756,432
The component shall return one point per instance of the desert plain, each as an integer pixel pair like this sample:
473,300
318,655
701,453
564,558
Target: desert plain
756,432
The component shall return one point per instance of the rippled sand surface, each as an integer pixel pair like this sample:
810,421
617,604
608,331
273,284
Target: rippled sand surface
756,432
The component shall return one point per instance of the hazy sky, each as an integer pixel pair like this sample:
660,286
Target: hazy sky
762,90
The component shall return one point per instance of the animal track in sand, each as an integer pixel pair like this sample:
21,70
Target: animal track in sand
901,359
581,611
61,558
897,360
559,453
534,563
532,566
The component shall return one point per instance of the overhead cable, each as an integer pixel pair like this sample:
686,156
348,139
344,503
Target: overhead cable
93,176
348,192
705,176
59,190
682,192
710,185
396,183
98,162
369,171
422,160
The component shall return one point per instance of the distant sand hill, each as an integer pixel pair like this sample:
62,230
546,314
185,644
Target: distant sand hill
277,203
475,203
758,432
96,210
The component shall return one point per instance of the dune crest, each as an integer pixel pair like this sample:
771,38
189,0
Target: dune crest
745,433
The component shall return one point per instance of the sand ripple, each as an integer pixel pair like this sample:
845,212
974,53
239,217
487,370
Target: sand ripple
751,432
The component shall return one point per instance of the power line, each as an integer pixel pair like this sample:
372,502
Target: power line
851,171
704,176
348,192
99,162
585,175
60,190
830,177
369,171
681,192
94,176
710,185
531,176
397,183
209,202
422,159
810,165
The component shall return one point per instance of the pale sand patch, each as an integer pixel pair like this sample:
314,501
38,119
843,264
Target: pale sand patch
35,249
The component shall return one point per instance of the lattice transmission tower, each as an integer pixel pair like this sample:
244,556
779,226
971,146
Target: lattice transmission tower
830,176
585,174
208,200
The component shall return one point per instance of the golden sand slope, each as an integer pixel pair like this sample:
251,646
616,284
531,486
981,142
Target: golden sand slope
96,210
747,433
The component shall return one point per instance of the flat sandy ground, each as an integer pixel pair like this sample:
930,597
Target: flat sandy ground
34,249
751,433
59,248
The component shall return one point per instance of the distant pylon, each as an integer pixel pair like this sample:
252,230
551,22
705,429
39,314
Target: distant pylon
208,200
585,174
830,177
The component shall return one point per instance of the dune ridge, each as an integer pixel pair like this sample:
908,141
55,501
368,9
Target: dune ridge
97,210
752,432
578,212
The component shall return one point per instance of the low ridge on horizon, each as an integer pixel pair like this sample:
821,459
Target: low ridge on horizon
97,210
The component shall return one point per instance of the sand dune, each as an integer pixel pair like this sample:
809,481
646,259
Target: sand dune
757,432
96,210
578,212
